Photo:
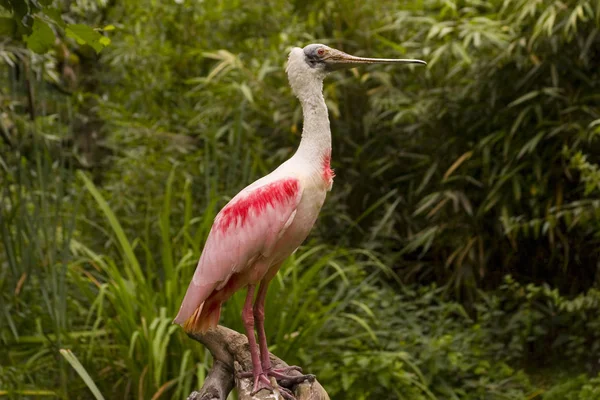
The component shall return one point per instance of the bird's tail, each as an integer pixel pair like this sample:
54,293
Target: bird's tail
205,317
201,306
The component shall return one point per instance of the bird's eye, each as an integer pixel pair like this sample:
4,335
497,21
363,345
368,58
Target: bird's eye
321,51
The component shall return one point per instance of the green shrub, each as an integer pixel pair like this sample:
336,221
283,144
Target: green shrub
578,388
418,346
537,325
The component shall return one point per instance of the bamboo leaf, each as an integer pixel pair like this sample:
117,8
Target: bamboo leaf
464,157
524,98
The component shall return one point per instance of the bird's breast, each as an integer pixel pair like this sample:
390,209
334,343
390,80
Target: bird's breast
306,215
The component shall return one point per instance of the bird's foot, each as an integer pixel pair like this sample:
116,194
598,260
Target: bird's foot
271,371
283,377
285,370
286,393
262,382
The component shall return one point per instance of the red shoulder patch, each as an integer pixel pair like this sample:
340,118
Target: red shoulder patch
236,214
328,173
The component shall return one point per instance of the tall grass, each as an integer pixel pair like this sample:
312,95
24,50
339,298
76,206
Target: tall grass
37,223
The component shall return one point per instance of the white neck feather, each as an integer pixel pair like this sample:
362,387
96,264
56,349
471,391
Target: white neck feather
307,84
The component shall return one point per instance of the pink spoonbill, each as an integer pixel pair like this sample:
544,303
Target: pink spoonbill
266,222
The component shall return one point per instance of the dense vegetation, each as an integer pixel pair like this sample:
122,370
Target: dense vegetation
456,257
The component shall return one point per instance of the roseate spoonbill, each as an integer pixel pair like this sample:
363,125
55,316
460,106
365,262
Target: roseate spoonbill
267,221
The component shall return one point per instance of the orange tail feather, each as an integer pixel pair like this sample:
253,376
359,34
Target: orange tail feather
205,317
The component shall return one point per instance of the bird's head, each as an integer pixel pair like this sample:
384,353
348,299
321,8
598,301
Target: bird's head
313,62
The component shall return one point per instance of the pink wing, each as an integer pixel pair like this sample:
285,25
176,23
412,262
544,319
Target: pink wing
247,227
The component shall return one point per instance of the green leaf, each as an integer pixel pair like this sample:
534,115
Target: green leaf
247,92
55,15
8,27
84,34
116,226
20,10
427,177
524,98
109,28
74,361
364,324
41,38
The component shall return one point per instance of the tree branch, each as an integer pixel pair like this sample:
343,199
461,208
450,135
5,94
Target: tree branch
232,356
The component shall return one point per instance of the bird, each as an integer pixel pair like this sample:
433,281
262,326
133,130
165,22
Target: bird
255,232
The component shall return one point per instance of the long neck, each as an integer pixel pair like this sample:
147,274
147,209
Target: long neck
315,145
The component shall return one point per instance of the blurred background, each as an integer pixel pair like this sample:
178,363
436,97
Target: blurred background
455,258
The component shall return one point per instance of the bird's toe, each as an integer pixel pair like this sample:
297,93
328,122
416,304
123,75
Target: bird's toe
261,382
286,379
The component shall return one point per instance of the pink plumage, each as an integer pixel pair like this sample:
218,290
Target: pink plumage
328,173
239,249
274,194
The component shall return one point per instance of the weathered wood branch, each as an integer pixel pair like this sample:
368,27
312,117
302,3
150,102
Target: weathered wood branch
231,356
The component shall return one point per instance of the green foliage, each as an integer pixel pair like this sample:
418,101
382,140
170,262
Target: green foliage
83,34
424,348
460,173
72,359
481,165
35,231
591,389
41,38
531,319
580,388
40,21
512,84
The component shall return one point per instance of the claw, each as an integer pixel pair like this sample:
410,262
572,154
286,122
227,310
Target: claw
286,393
291,381
284,379
287,370
248,374
261,382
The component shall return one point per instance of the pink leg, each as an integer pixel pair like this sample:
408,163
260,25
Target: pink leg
281,374
260,379
259,316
